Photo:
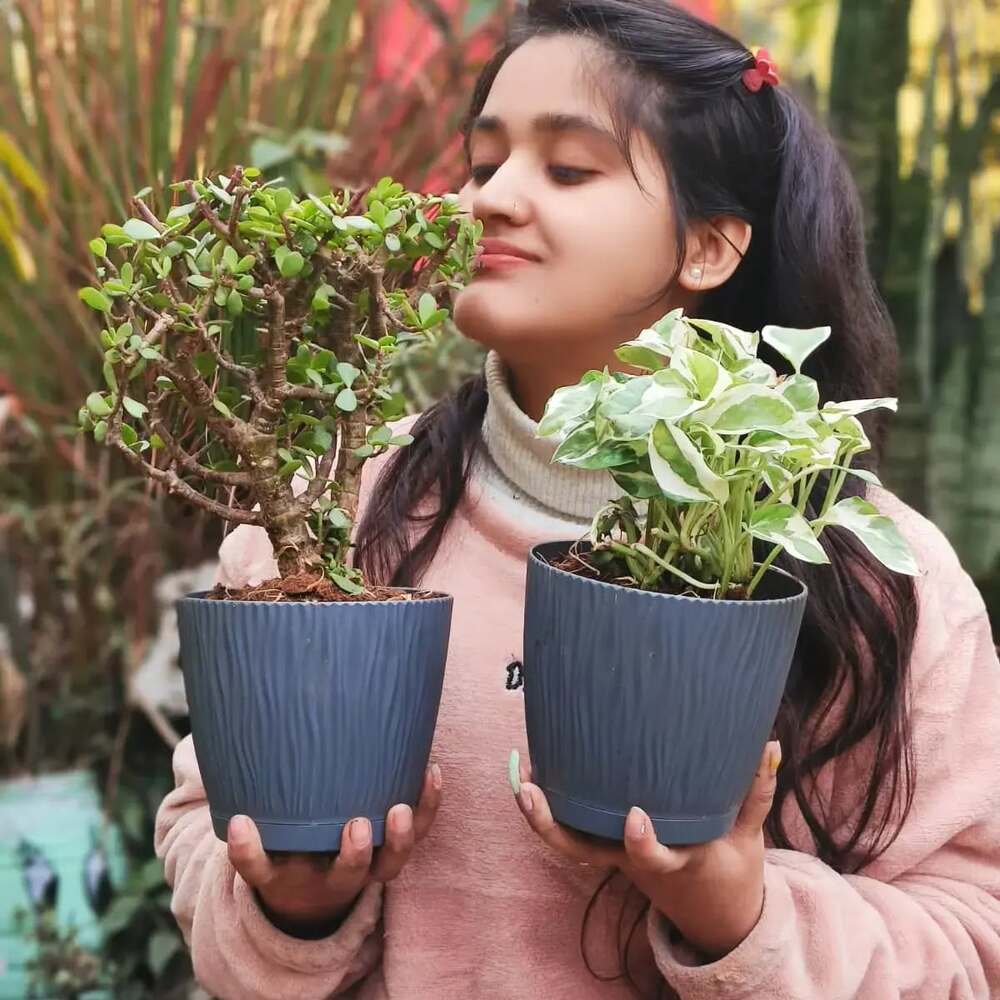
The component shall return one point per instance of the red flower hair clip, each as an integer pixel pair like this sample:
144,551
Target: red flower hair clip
763,72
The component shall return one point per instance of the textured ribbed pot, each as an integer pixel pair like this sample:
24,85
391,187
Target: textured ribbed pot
658,701
307,715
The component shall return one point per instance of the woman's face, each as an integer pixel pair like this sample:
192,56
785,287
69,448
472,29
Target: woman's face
561,191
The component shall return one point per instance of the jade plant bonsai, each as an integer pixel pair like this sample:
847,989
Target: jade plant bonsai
248,337
713,449
657,652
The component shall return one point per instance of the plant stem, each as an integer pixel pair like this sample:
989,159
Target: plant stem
836,484
774,497
660,561
759,575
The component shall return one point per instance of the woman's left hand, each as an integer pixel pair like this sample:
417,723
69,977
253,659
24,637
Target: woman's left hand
712,893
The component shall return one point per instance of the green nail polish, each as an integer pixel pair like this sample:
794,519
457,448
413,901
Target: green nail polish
514,772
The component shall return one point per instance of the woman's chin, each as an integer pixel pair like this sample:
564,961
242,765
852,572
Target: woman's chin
484,315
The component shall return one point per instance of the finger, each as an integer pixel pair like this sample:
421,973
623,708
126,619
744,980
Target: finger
535,809
399,841
646,855
430,799
246,852
318,861
349,873
760,798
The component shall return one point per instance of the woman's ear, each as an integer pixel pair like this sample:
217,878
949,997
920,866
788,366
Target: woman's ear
715,248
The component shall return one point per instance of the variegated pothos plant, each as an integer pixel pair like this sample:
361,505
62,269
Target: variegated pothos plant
713,448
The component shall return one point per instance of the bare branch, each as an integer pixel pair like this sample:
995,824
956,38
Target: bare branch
208,213
234,215
187,461
176,485
320,481
429,271
290,391
248,375
138,205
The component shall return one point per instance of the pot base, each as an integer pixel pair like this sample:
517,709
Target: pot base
671,832
303,838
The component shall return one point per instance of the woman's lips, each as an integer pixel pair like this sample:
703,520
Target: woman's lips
500,261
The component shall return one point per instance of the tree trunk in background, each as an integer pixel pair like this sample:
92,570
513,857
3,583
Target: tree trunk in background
870,59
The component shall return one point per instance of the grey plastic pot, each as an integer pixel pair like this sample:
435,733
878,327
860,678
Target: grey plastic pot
307,715
664,702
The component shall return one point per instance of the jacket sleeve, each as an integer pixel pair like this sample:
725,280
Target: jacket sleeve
923,921
236,951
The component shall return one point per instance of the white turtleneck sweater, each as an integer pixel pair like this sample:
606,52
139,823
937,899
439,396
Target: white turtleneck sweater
484,911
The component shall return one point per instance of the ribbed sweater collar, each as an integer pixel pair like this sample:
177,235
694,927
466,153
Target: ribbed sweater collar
526,460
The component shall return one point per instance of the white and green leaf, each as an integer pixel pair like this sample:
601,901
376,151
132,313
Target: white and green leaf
673,473
795,345
852,407
875,531
745,408
781,524
566,405
736,343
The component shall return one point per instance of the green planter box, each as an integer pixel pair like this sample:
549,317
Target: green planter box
49,826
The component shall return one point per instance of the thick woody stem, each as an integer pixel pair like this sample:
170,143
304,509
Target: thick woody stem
276,352
377,306
348,472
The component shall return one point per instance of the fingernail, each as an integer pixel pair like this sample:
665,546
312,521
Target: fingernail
514,772
360,832
635,826
524,797
774,758
436,777
239,829
402,820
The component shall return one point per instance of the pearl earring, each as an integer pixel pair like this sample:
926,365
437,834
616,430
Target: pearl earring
695,272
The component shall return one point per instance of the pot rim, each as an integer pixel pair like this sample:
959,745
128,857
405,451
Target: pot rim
534,557
437,597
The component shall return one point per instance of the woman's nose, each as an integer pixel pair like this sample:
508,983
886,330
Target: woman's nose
504,194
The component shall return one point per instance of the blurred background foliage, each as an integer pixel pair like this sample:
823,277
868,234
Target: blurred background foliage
102,98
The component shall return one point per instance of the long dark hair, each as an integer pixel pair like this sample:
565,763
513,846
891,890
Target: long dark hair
762,157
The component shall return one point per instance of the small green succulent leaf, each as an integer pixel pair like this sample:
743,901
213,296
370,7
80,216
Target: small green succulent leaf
138,229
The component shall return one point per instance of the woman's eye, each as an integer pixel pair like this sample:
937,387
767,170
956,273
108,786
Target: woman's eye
562,175
569,175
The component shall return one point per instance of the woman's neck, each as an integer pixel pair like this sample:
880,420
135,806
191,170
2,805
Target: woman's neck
525,460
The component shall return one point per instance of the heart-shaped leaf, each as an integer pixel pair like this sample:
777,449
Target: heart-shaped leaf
783,525
875,531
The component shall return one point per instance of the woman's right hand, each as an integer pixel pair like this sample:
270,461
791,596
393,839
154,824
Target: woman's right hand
301,892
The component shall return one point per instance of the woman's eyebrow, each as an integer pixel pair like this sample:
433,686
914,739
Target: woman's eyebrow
552,122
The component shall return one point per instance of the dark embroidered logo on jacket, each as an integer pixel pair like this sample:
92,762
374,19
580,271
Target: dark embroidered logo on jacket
515,675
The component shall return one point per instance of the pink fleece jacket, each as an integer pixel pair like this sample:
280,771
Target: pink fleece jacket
484,911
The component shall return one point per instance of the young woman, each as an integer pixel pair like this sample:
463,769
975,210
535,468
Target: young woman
626,158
